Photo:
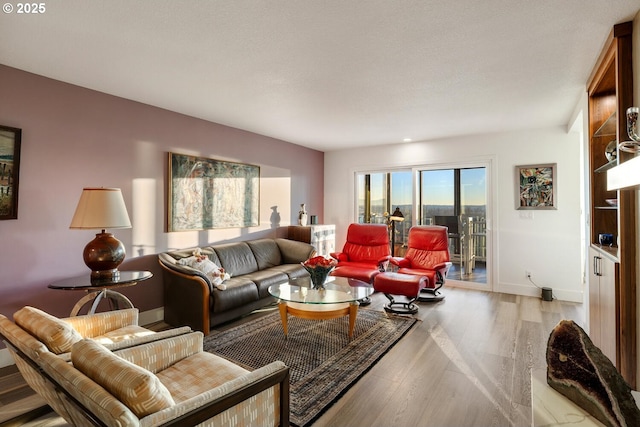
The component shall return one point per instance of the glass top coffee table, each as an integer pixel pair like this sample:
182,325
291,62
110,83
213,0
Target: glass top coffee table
338,298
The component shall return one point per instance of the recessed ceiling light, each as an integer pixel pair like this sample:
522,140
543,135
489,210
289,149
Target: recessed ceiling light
407,140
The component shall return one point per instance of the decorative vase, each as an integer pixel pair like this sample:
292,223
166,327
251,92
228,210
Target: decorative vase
318,275
302,215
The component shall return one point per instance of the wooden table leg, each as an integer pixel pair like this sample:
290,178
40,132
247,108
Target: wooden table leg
353,312
282,305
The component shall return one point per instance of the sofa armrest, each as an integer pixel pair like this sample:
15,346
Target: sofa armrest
339,256
294,252
400,262
170,263
20,339
383,263
145,339
159,355
442,270
187,298
93,325
263,393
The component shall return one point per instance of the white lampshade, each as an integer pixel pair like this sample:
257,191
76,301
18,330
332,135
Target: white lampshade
101,208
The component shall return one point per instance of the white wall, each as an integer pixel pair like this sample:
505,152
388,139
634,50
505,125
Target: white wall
548,243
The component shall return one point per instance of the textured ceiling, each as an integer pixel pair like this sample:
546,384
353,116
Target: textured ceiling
327,74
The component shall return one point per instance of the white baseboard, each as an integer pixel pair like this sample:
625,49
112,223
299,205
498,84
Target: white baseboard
144,318
559,294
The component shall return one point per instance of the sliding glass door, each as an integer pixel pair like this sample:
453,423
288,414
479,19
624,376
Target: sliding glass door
457,198
452,196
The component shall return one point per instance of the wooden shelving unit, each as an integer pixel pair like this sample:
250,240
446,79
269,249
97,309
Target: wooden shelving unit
612,302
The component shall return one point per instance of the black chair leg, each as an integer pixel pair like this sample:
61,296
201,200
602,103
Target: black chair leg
364,301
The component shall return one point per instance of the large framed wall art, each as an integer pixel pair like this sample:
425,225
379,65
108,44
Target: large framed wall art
10,139
536,186
206,193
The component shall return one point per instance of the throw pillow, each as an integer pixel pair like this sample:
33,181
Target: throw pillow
139,389
203,264
55,333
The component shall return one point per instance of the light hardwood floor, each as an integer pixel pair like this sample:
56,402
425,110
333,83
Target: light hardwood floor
466,363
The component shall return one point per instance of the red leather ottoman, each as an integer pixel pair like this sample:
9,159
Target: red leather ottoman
408,285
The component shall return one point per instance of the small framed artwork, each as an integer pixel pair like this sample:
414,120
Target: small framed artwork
206,193
536,186
10,139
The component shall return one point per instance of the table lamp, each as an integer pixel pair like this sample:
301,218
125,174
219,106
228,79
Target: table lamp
102,208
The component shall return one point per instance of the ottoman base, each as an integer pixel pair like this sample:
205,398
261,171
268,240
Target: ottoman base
430,295
397,307
400,284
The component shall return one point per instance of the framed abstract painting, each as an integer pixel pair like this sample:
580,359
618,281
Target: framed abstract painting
10,139
536,186
207,193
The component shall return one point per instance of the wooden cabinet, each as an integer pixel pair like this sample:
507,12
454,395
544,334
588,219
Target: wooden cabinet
603,281
612,313
321,237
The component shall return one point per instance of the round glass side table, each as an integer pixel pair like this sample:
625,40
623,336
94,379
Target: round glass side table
97,289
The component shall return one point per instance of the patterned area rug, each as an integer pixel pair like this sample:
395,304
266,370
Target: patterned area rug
323,362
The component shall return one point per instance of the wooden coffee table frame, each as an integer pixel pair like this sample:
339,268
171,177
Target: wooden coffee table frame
340,297
318,312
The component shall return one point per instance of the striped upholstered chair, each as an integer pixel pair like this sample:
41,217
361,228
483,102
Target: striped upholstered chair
170,382
114,329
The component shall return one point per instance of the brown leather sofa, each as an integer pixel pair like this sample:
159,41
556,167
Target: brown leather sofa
190,299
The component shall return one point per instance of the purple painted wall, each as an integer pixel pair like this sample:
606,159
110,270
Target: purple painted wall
74,137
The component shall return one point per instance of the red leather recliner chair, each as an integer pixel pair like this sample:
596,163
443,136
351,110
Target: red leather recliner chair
427,255
365,252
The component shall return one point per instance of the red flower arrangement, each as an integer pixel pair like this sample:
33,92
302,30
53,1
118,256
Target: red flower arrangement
320,261
319,268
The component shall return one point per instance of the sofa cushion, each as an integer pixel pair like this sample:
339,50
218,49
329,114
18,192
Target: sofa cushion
236,258
139,389
267,253
56,334
122,334
96,324
197,374
293,271
265,278
240,291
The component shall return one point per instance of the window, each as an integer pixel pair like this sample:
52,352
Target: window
454,197
379,194
457,198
